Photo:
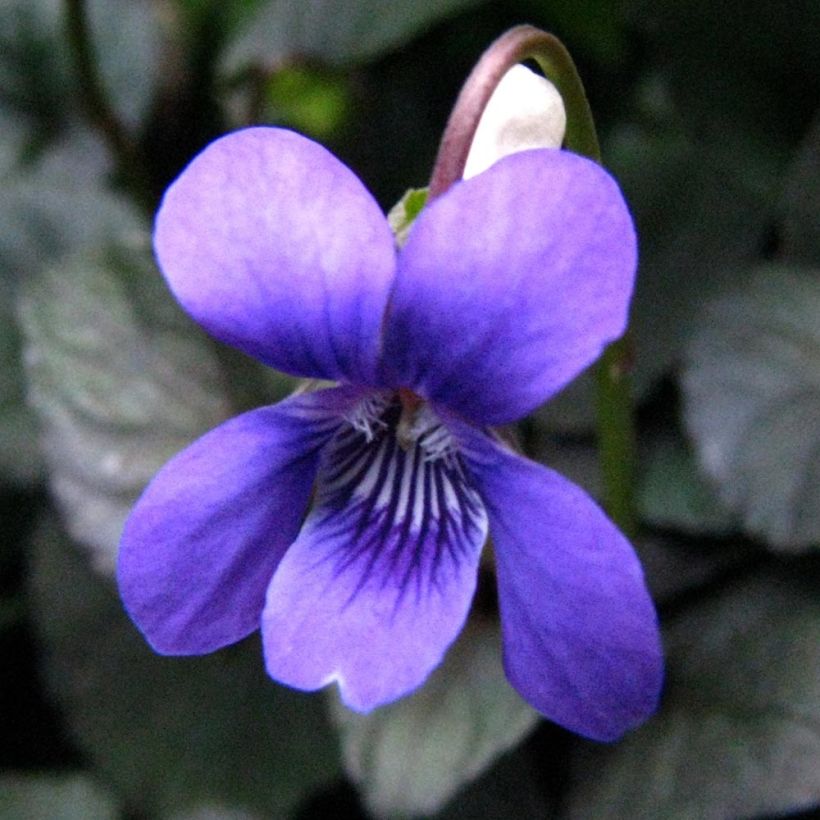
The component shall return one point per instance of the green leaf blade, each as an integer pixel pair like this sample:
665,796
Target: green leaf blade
121,381
411,757
752,393
738,734
171,735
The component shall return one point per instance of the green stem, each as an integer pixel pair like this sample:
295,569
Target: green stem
98,109
616,436
616,432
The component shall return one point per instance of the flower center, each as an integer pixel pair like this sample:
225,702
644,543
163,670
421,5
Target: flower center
392,481
411,418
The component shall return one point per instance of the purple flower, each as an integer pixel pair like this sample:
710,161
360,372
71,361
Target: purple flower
350,520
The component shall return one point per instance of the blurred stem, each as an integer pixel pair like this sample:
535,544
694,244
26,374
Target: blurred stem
98,109
616,432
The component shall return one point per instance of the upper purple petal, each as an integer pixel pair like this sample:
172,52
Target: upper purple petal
275,247
581,638
203,541
380,580
510,284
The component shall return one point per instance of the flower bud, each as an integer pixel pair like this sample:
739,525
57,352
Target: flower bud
525,111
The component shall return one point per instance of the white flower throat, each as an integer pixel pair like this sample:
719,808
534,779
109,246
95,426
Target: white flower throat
417,425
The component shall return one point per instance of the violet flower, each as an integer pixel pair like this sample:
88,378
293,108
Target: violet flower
508,286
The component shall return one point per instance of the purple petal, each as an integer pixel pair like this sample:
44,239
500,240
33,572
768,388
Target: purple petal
203,541
510,284
275,247
581,639
379,582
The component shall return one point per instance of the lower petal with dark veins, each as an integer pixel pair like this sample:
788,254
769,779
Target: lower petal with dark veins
380,580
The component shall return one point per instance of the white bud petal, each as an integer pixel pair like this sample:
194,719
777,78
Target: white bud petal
525,111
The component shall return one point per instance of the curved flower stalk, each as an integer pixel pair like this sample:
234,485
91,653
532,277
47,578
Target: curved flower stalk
349,520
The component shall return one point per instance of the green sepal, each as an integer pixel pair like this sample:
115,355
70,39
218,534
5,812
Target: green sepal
404,212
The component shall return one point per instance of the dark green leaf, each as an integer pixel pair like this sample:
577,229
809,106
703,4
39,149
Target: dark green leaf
214,811
56,797
20,460
171,734
572,410
697,222
577,459
333,34
12,143
746,78
58,203
513,781
752,391
677,567
47,208
800,206
126,39
121,380
38,80
672,494
411,757
596,28
739,731
35,78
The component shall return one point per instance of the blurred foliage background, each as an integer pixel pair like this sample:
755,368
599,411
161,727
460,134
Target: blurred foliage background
708,114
